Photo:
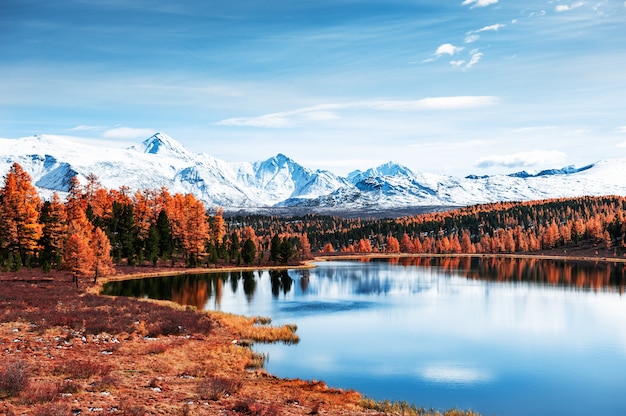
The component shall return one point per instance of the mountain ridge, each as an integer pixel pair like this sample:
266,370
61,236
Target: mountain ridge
279,181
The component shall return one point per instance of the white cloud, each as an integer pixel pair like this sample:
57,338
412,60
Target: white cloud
523,159
564,7
479,3
447,146
472,35
494,28
471,38
128,133
476,56
448,48
85,128
326,112
621,129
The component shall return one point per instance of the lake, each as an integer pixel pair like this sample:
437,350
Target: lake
496,335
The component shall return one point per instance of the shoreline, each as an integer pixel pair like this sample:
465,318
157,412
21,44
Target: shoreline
309,263
166,373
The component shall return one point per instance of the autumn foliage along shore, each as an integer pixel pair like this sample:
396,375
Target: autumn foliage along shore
94,228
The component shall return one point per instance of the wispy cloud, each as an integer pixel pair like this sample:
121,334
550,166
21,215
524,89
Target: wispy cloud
127,133
621,129
523,159
85,128
473,35
446,146
564,7
324,112
494,28
478,3
475,57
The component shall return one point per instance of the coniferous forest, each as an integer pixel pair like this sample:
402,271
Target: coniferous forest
93,229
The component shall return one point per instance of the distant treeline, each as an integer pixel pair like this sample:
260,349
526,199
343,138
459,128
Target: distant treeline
95,228
511,227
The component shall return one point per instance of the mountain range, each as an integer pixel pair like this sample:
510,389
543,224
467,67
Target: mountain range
279,182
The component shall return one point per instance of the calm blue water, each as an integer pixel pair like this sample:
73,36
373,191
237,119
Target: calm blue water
504,337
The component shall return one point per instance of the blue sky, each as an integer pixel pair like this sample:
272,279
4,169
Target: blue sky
453,87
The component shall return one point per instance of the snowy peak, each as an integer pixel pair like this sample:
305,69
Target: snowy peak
387,169
162,144
568,170
160,161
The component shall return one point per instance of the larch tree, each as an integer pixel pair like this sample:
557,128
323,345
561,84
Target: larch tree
406,244
78,257
392,245
196,228
19,213
218,227
102,261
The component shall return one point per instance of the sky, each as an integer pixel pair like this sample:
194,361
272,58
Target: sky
453,87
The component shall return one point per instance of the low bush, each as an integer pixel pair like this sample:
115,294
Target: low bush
81,369
43,392
214,388
54,409
14,377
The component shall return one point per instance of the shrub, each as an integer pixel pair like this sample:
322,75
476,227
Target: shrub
42,393
130,409
82,369
214,388
54,409
14,377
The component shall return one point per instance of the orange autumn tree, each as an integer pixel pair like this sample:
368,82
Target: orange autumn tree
102,262
20,229
218,227
196,229
78,257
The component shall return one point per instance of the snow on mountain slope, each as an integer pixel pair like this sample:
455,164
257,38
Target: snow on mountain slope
161,161
279,181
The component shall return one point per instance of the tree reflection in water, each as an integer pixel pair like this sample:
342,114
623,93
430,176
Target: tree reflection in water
197,290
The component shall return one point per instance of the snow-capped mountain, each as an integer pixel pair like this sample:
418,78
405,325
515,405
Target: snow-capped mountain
161,161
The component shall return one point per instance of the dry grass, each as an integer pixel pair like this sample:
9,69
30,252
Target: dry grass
258,329
64,351
407,409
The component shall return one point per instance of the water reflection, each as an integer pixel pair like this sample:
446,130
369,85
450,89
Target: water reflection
197,290
499,335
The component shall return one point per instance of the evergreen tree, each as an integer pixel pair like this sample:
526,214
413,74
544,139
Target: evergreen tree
275,248
53,219
234,246
165,235
248,253
285,250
